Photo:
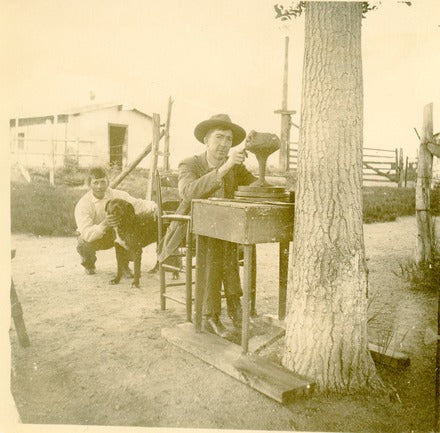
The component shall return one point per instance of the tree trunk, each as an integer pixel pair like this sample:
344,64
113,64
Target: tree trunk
326,335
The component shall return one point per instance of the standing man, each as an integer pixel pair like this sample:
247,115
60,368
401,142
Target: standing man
215,173
95,227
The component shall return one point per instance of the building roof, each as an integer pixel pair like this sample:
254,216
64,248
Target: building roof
97,107
80,110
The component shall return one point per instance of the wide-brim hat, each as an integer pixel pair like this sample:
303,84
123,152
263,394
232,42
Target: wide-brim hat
223,121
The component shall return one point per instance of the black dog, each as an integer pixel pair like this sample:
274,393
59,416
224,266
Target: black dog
132,234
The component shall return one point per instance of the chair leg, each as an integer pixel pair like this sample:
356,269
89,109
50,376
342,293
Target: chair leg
162,287
188,279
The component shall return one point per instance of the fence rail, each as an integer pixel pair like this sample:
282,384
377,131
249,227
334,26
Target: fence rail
52,153
379,165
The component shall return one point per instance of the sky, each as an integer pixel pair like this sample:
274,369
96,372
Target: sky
216,56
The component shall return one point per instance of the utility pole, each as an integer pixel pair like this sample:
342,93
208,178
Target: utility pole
283,164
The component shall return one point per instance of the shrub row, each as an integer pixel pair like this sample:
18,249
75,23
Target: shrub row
40,209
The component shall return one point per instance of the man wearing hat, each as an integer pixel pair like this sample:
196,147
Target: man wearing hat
215,173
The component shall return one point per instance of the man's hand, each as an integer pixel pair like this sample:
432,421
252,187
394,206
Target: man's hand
111,221
236,156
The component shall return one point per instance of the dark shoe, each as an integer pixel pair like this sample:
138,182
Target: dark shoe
213,325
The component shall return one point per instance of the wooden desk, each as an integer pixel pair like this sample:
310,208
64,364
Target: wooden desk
247,224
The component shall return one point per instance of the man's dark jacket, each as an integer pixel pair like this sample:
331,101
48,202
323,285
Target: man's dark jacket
197,180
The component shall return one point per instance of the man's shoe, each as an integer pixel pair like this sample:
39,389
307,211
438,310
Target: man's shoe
213,325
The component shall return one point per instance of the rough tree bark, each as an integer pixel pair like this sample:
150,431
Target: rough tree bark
326,335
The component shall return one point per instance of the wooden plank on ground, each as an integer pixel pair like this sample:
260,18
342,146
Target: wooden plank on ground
266,377
387,357
260,342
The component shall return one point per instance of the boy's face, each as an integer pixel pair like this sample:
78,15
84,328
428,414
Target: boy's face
99,186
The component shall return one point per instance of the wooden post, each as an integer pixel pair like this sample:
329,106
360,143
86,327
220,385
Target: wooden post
154,151
52,164
437,371
283,164
17,314
406,171
401,172
16,150
285,127
423,185
166,151
117,180
77,151
52,153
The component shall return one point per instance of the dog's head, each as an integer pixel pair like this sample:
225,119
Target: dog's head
120,209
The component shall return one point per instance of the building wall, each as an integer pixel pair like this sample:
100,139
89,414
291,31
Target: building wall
86,134
31,142
94,126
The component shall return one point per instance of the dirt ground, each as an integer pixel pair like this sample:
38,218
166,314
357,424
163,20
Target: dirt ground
97,356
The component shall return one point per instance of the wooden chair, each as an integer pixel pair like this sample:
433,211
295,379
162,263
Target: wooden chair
181,260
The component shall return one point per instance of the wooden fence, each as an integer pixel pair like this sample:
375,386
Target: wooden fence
37,152
379,165
51,154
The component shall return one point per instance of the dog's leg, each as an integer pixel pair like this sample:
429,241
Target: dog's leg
120,259
137,268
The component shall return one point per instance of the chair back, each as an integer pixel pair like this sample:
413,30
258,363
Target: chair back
164,207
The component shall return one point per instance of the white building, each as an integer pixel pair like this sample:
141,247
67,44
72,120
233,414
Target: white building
94,134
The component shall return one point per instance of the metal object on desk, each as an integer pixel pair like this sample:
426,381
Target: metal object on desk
247,224
262,144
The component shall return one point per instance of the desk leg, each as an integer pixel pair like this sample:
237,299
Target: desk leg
284,267
247,284
254,282
199,288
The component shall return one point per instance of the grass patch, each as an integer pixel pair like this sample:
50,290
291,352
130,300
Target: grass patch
383,204
423,276
43,210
